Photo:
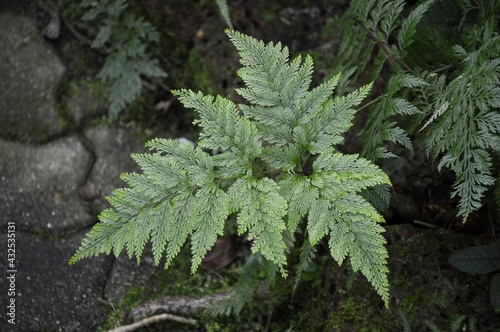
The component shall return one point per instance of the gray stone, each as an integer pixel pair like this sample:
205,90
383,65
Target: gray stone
29,70
112,148
50,294
39,186
84,104
126,274
406,207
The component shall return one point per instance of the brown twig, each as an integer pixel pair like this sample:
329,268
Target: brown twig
156,311
423,223
155,319
182,305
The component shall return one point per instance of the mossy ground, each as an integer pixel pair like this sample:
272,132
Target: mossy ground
276,310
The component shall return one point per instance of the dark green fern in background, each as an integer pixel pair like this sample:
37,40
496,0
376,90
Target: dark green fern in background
274,168
376,24
125,39
460,323
462,109
439,69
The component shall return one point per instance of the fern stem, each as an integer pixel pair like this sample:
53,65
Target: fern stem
391,57
371,102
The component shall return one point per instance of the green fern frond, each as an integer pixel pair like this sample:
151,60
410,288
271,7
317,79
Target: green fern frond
379,196
336,174
375,23
392,133
348,218
306,256
212,216
379,128
333,119
274,166
320,220
223,129
456,324
224,12
367,253
464,124
404,320
124,37
286,157
432,326
404,80
384,17
265,69
409,27
261,211
174,198
300,194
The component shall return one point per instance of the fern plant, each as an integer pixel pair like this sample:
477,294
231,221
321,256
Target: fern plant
126,38
369,28
463,117
275,168
457,110
375,24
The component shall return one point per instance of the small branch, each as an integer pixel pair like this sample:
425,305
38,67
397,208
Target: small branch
76,33
155,319
423,223
441,69
182,305
156,310
151,84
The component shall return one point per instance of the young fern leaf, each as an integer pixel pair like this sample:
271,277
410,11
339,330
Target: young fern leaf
224,12
275,167
307,254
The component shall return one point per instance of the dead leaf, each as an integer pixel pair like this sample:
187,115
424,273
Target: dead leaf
225,250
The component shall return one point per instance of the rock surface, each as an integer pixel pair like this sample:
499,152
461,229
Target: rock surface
126,274
41,194
51,295
30,70
40,186
83,104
